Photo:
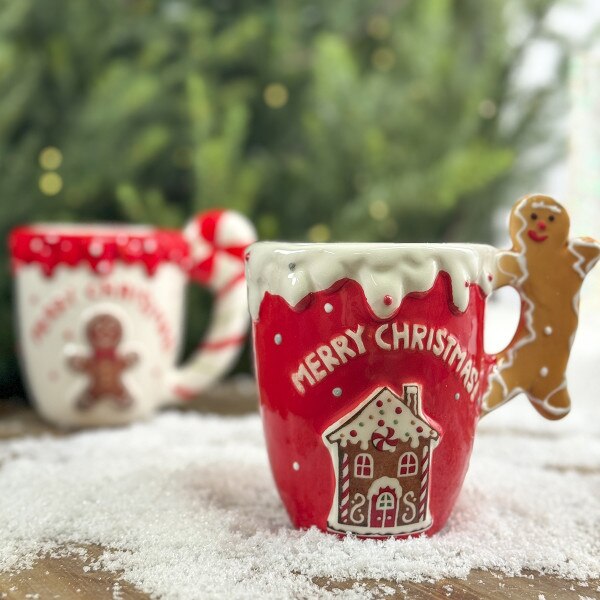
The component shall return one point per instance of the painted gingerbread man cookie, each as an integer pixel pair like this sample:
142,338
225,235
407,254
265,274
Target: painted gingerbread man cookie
548,270
104,367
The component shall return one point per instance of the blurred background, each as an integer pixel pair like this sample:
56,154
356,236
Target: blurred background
397,120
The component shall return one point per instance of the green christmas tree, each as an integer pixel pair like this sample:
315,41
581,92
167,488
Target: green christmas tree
339,120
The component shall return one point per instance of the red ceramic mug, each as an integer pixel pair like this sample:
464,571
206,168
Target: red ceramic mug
372,371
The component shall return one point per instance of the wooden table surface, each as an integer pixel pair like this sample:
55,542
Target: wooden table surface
66,579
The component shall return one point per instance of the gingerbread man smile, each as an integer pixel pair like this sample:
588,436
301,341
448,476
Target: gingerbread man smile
541,225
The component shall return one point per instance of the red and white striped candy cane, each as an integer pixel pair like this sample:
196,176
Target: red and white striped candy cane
384,439
217,242
345,488
424,491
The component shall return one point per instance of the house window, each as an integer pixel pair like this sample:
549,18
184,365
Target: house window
363,466
407,465
385,501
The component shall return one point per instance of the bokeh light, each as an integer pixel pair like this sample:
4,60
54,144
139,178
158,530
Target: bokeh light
319,233
487,109
379,210
50,184
383,59
50,158
276,95
379,27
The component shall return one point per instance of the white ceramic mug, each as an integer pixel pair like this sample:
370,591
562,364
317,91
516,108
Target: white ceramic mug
100,312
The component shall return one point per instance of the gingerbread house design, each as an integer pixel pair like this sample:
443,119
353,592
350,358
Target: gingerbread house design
381,453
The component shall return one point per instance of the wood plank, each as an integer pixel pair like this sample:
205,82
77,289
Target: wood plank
70,578
65,578
482,585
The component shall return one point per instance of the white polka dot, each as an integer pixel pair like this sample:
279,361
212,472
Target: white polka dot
103,266
457,396
278,339
135,246
150,245
296,466
96,248
52,239
544,371
337,392
548,330
36,245
66,245
328,308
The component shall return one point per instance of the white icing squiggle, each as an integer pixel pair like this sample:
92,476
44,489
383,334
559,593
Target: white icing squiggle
582,271
550,207
578,266
386,272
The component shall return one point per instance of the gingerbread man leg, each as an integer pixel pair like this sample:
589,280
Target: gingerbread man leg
551,400
86,401
123,399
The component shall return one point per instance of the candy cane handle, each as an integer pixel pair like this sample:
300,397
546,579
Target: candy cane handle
217,241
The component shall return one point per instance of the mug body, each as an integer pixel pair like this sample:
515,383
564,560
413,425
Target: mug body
99,318
371,368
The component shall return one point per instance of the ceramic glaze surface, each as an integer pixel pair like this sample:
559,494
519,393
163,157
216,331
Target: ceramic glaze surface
370,420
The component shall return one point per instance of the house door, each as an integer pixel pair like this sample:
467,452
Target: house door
384,507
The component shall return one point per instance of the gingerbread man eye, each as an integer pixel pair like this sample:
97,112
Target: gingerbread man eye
551,218
533,216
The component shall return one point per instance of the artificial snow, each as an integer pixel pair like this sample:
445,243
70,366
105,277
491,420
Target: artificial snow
184,505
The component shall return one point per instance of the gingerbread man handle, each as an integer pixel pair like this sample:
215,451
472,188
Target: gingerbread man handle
217,240
547,269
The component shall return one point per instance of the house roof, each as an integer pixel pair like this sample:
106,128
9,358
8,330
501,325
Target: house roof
382,417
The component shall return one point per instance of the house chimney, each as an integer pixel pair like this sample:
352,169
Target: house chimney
412,398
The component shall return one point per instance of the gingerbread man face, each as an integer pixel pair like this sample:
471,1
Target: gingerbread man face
104,332
539,223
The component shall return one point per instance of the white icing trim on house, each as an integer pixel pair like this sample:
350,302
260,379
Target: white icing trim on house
384,482
293,271
403,425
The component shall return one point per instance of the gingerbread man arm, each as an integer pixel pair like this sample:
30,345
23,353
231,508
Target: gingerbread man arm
79,363
587,252
508,268
130,359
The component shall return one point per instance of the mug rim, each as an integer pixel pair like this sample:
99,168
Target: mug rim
100,246
386,272
375,246
99,229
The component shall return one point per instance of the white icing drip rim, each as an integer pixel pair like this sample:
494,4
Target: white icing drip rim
293,271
